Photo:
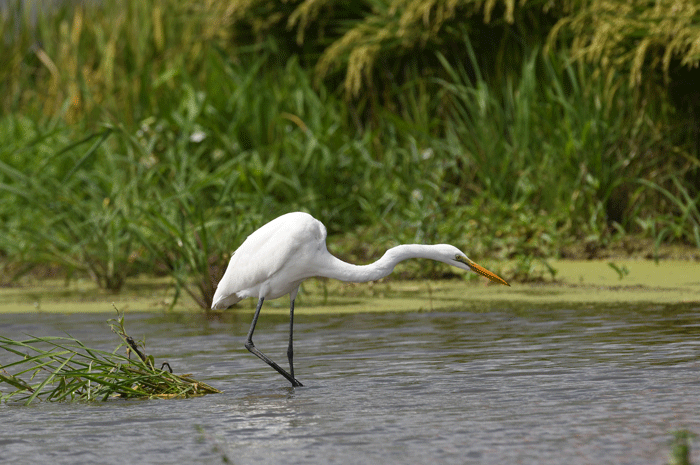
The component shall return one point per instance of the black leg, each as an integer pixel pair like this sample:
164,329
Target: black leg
290,349
252,349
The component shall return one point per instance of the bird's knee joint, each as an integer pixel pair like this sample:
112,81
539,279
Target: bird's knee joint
249,345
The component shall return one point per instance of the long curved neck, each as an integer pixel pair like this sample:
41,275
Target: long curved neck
343,271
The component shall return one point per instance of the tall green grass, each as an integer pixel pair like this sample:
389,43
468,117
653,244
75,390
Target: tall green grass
73,209
560,141
162,154
518,172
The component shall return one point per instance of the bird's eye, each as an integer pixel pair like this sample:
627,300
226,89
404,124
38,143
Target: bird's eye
457,258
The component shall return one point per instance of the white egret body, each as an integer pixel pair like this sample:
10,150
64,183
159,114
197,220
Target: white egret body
274,260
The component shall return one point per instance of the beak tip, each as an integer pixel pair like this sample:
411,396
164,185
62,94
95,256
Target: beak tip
478,269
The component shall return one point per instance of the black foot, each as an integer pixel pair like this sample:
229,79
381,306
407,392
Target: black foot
296,383
254,350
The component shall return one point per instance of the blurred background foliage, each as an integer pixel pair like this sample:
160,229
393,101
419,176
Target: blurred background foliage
151,136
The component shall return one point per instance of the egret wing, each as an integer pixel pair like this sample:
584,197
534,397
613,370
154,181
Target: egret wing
263,254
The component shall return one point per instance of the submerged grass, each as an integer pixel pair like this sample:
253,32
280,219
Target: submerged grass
64,369
680,447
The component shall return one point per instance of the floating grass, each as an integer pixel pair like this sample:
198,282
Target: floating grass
680,447
64,369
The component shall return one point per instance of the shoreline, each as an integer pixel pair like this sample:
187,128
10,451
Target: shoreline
576,283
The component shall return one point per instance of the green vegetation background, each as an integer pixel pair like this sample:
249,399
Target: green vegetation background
153,135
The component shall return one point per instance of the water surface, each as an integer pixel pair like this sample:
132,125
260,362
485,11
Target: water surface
528,385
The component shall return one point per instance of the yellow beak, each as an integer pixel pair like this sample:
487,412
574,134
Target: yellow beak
484,272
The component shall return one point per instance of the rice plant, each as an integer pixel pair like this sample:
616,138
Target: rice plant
634,37
63,369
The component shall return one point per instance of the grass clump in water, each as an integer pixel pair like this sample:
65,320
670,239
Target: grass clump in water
64,369
680,448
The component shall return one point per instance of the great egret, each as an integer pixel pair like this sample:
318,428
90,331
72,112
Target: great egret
275,259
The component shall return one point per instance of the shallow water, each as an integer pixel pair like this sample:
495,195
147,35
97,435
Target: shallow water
528,385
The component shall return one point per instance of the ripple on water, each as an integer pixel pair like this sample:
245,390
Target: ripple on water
535,386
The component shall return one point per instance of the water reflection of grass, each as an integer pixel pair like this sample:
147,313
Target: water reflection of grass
577,283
